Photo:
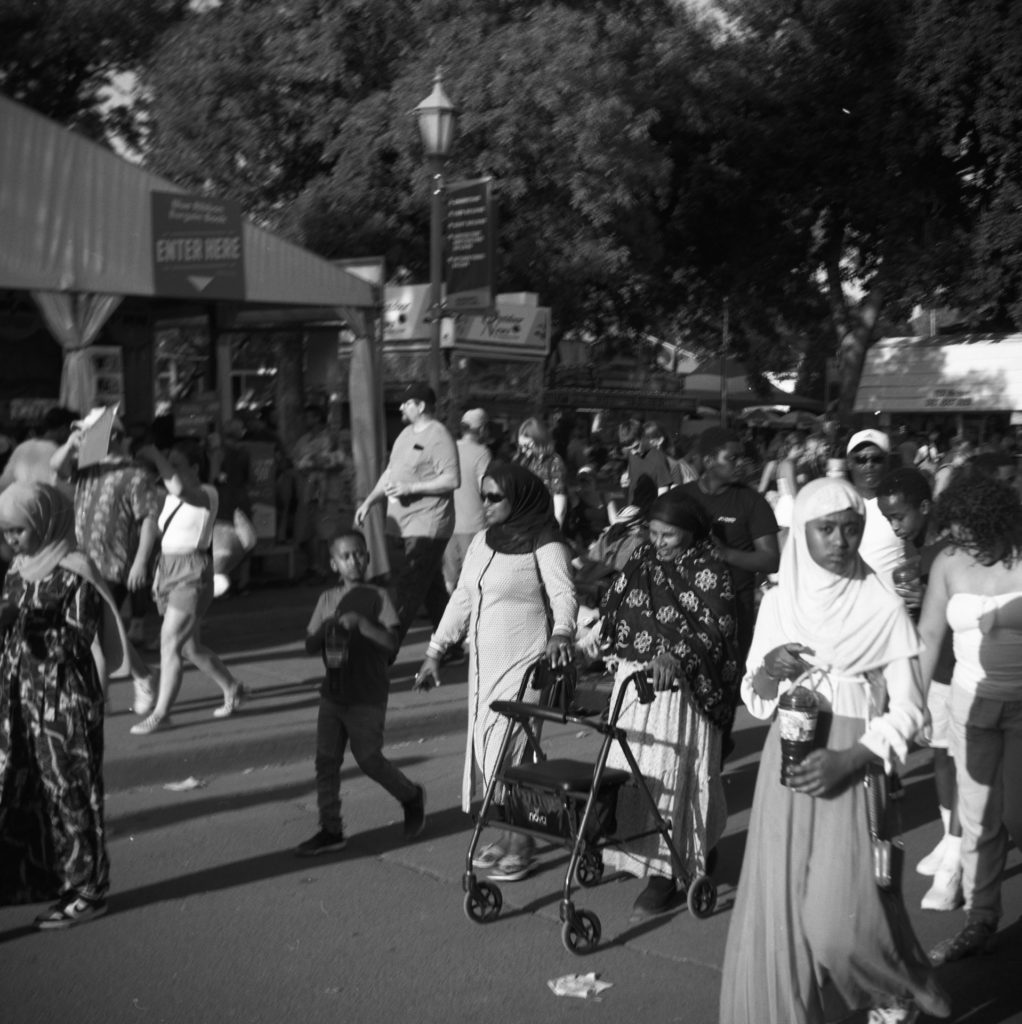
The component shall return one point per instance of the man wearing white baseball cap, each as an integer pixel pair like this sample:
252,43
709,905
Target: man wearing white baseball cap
868,462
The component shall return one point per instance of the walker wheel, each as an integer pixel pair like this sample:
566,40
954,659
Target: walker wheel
581,933
483,902
702,897
590,869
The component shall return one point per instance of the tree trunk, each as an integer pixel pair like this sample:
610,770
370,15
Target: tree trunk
853,343
854,326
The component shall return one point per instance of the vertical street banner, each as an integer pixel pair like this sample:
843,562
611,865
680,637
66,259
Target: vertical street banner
471,246
197,247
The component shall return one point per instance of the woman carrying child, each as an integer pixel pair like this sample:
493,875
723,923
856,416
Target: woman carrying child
56,616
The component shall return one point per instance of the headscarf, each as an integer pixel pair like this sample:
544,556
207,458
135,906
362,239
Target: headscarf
531,523
686,607
853,623
676,508
636,514
49,514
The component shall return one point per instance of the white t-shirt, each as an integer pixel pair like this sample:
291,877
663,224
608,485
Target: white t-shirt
881,548
191,529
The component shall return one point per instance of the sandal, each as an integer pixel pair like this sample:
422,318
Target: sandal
71,911
513,867
489,857
150,724
232,702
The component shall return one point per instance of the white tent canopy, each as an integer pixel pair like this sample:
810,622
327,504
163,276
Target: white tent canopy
948,373
75,217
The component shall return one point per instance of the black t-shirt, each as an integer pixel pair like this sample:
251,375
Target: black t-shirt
365,676
740,516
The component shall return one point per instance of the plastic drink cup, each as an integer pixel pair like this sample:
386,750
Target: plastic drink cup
797,713
335,655
906,573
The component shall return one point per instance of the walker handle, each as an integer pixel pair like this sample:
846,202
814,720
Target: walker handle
643,687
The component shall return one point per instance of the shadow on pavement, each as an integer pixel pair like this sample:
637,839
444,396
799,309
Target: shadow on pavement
238,873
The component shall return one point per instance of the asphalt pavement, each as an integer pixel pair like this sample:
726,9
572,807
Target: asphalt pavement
212,917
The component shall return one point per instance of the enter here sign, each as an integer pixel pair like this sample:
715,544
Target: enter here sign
197,247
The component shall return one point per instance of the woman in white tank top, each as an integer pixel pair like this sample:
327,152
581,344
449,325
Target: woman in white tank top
975,588
183,587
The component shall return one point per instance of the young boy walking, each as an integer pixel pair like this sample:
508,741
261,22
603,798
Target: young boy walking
353,697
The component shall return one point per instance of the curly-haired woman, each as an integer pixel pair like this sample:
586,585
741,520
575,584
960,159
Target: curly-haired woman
976,588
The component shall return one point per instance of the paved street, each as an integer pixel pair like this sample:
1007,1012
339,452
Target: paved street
213,919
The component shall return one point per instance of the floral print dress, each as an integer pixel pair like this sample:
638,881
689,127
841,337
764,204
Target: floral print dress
52,834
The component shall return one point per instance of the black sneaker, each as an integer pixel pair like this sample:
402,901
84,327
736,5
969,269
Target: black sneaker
321,842
415,814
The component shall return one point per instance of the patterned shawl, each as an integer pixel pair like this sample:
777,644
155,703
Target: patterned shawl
685,607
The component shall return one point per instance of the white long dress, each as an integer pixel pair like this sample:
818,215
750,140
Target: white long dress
500,605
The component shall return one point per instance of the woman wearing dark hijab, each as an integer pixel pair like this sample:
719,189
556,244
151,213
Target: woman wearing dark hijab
671,612
514,601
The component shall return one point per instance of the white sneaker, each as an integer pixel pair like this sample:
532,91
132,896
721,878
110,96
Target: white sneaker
930,864
946,891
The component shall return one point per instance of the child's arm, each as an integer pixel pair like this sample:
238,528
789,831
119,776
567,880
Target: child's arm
375,632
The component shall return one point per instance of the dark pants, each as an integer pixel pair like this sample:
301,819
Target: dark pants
745,609
361,725
420,580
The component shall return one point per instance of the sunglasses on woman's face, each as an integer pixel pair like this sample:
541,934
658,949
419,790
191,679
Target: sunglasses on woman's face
491,497
869,460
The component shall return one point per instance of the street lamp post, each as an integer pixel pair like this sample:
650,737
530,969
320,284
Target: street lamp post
436,114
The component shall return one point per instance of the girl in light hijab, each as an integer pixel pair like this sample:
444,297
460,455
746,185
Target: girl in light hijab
809,922
57,620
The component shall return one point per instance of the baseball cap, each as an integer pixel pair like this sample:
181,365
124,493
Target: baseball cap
419,392
474,419
870,436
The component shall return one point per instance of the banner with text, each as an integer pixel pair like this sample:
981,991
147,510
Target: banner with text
197,247
471,246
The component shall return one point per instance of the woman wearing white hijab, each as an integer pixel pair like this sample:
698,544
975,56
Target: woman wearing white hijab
58,626
809,922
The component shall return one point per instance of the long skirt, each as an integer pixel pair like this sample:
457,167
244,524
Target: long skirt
811,930
678,753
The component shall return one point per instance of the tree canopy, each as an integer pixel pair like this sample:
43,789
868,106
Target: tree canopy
819,168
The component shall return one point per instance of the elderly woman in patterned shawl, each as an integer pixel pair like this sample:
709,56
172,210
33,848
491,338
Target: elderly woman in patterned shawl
671,613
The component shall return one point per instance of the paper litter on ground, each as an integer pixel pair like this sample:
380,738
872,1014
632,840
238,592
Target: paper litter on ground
581,986
190,783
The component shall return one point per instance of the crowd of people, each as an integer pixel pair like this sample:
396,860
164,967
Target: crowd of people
882,573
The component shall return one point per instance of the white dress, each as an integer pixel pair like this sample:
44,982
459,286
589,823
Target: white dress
501,606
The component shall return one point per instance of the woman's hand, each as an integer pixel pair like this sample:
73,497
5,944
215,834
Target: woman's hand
664,672
559,651
785,662
428,675
822,770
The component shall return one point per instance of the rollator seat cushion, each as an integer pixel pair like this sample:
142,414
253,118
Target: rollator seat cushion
563,775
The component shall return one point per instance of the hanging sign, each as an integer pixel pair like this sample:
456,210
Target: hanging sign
198,250
471,246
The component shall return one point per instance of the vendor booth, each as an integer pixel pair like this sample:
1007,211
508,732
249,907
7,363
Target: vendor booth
961,375
96,249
